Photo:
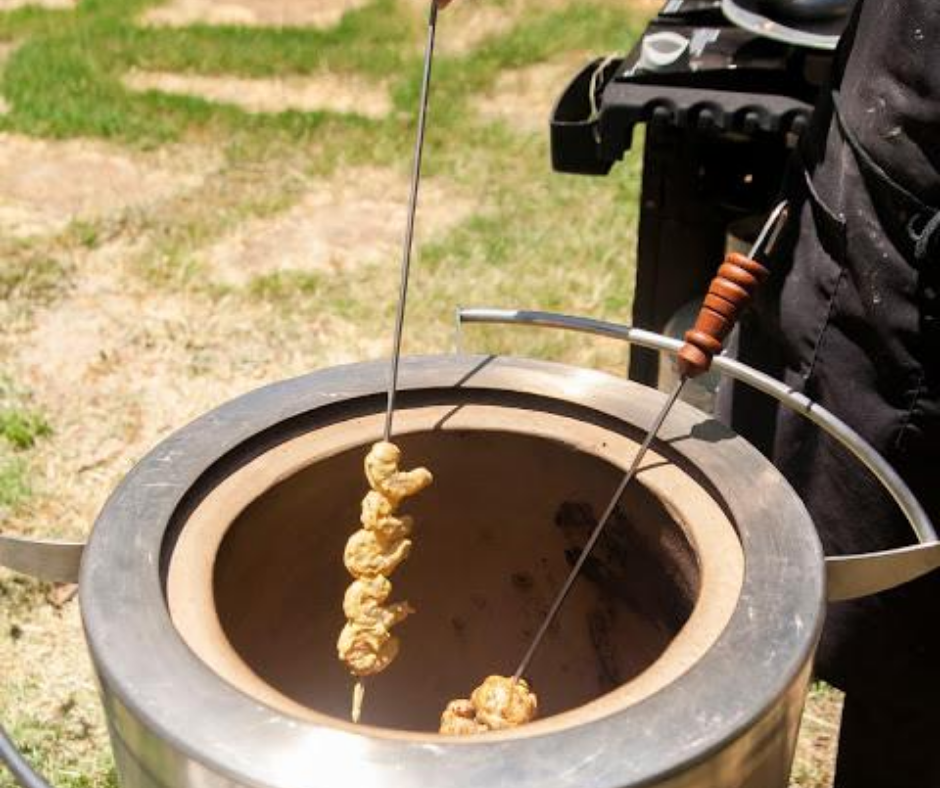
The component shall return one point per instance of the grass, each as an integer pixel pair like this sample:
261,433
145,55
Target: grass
51,710
30,278
14,487
815,761
168,339
64,78
367,41
20,429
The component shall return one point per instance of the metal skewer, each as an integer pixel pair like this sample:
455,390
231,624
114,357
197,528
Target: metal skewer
596,533
765,242
410,221
359,689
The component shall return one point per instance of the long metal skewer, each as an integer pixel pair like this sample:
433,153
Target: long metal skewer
768,234
359,689
596,533
410,222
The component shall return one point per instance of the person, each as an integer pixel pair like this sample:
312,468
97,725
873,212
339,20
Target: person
850,316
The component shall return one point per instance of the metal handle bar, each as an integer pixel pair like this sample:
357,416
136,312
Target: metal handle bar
848,577
43,559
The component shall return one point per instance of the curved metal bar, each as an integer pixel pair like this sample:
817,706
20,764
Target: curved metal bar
848,577
46,560
750,16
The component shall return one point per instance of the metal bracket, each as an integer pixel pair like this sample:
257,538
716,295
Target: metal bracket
45,560
848,577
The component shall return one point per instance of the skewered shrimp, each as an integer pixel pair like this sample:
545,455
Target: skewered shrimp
497,704
377,517
459,719
385,478
367,649
372,553
367,556
364,603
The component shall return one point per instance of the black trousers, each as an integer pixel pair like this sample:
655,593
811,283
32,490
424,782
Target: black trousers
851,317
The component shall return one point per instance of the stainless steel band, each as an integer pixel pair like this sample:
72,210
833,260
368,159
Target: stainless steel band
848,577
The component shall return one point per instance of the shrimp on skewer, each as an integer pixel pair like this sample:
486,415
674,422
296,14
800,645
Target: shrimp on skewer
497,704
372,554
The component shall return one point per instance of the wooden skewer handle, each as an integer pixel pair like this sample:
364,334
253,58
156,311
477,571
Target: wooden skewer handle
729,294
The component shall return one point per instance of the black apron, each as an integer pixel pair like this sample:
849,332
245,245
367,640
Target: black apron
851,317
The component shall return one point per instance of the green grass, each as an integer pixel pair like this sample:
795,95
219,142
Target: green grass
54,719
21,426
30,277
73,767
14,484
64,80
580,26
373,41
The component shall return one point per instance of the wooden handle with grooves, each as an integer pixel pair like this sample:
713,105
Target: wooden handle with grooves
729,294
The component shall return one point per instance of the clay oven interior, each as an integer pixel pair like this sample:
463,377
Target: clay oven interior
256,579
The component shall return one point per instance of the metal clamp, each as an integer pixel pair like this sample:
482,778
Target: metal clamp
848,577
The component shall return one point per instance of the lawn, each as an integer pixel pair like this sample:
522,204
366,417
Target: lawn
162,252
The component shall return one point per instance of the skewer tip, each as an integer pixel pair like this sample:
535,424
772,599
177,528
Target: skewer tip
359,692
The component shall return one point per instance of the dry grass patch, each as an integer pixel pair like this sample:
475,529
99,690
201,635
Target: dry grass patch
470,22
815,762
12,5
252,13
343,93
523,98
466,24
119,367
48,699
354,218
45,185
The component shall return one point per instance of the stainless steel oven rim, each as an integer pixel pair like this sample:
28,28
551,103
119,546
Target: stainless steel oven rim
185,723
